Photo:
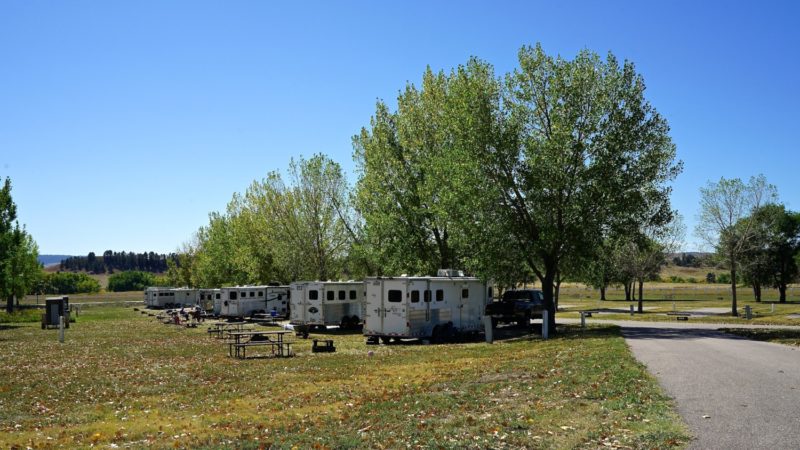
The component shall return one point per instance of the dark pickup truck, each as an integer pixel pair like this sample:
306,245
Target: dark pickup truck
518,306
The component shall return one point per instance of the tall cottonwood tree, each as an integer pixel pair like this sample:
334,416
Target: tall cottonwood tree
19,268
726,219
588,154
402,188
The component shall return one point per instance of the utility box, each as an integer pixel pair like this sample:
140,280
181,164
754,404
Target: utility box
54,307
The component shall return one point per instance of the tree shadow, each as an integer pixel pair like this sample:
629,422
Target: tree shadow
645,333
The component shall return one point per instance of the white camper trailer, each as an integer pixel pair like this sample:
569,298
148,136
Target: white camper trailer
435,308
208,299
184,297
159,297
323,303
243,301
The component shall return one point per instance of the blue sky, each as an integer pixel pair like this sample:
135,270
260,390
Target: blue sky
123,124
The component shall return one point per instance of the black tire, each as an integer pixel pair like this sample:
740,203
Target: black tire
386,339
494,322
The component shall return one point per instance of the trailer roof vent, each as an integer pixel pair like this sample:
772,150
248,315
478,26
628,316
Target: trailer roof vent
452,273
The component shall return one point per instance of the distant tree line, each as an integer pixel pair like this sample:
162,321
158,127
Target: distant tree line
112,261
64,283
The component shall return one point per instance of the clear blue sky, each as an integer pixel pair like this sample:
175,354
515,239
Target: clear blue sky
123,124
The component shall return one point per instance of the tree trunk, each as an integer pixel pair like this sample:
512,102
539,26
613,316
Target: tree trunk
547,293
757,291
10,304
627,292
782,290
558,290
602,292
641,296
734,312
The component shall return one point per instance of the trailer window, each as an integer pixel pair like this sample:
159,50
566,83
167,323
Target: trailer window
313,294
439,295
395,296
427,295
353,295
252,293
330,295
232,295
465,293
260,294
342,295
414,296
218,295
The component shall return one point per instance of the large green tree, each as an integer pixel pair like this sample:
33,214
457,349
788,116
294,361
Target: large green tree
587,156
727,209
19,269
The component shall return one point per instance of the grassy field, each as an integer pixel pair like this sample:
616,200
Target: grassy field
661,298
123,379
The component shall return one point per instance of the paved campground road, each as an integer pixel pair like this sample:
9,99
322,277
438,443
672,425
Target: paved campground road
733,393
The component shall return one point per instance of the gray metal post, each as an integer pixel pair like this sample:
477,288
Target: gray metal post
61,329
748,312
631,309
773,307
583,320
487,326
545,324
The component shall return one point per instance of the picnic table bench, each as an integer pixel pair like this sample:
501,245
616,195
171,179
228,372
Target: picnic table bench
270,340
680,315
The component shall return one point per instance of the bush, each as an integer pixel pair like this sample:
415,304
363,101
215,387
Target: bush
20,316
711,277
691,280
676,279
70,283
132,280
724,278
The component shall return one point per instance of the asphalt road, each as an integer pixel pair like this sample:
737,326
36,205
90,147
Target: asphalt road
733,393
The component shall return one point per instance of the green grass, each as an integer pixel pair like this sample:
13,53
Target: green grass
21,316
122,378
661,298
788,337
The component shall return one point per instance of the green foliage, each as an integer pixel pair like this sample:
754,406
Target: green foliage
276,231
133,280
724,278
711,277
19,269
69,283
676,279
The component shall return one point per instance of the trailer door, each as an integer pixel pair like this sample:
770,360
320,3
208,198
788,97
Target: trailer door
394,299
313,306
419,302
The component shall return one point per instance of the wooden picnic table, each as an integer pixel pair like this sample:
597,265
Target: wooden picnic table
241,340
220,328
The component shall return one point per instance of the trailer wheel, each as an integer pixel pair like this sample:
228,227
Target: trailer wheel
386,340
494,322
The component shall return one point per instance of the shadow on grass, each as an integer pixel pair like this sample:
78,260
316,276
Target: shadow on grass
674,333
763,335
5,326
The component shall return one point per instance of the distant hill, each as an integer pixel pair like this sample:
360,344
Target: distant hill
49,260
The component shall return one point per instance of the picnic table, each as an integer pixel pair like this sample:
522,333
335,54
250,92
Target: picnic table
220,328
242,340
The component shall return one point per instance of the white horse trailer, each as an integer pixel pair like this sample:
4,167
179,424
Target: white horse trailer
208,299
429,308
184,297
243,301
323,303
159,297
